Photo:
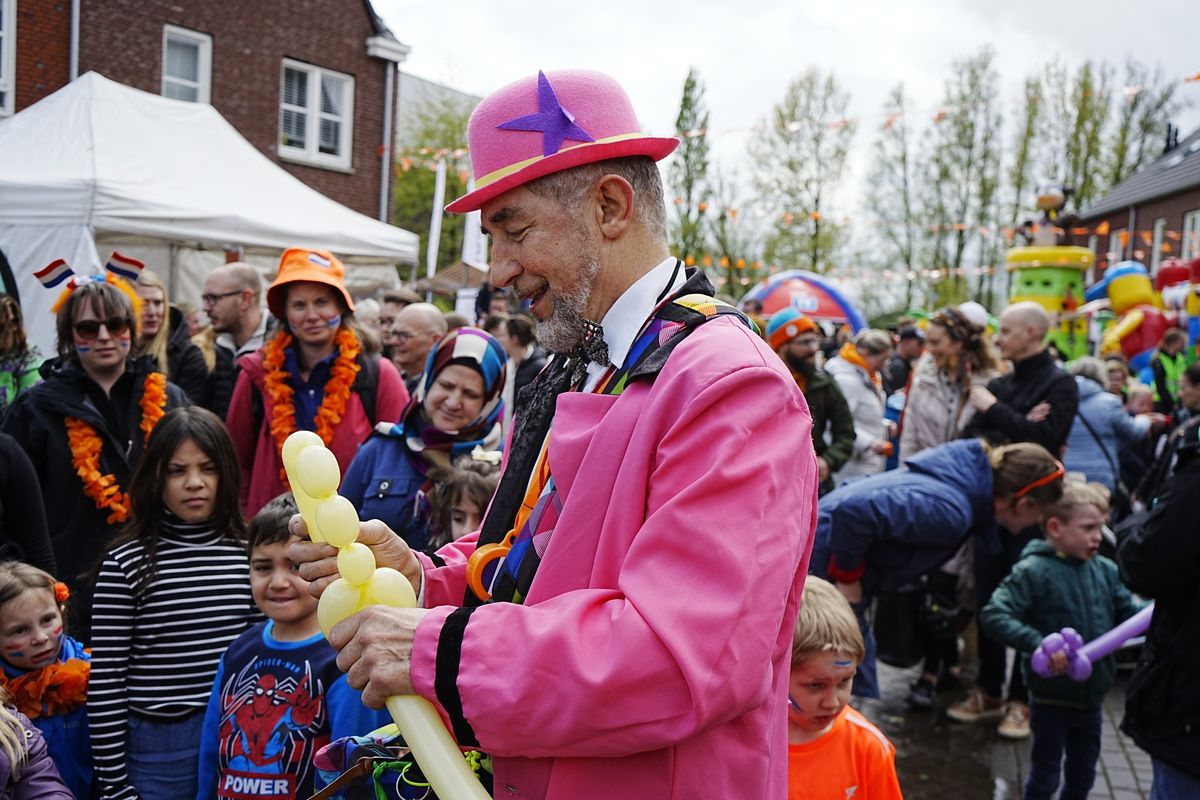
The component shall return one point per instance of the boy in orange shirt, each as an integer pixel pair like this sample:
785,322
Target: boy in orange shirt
833,751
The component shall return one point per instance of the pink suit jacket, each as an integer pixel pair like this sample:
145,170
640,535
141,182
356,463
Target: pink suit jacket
651,657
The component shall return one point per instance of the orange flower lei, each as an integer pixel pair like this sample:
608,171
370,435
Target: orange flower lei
56,688
86,445
337,388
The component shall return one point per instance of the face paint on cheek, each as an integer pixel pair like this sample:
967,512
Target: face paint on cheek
335,321
124,344
842,663
82,348
795,706
15,652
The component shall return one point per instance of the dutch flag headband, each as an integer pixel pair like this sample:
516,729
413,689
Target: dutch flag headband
57,273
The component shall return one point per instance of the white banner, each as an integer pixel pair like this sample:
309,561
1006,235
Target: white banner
435,220
474,252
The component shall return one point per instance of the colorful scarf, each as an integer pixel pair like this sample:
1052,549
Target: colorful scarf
427,445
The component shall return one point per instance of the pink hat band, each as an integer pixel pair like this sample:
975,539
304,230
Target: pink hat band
549,123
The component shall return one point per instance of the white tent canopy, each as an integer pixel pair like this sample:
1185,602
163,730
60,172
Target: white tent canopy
100,160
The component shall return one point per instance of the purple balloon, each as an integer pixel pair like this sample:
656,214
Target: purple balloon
1080,668
1106,643
1073,639
1079,655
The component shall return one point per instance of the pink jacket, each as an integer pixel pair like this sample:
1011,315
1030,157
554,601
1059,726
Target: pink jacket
651,657
256,448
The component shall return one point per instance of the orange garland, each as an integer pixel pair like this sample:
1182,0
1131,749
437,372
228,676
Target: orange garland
337,388
57,688
86,445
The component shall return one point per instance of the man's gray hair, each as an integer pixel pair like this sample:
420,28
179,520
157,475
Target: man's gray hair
569,186
873,341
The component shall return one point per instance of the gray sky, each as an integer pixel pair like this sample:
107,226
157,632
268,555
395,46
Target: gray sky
747,52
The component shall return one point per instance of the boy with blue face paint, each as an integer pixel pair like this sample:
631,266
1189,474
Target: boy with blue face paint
833,751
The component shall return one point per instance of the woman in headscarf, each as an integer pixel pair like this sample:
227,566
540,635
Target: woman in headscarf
311,375
456,408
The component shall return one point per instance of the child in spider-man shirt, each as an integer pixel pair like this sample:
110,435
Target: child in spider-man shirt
278,695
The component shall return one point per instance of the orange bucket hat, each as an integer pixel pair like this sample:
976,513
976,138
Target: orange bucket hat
315,266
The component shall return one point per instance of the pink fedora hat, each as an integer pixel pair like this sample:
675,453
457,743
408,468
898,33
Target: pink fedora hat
549,123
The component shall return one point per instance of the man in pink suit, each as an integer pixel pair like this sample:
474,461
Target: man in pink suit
655,512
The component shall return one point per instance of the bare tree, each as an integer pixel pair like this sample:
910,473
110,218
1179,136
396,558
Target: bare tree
891,192
689,170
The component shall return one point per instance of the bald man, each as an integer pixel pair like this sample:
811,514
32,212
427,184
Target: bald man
416,329
1003,415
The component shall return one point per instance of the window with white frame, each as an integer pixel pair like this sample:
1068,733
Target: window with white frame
1116,249
1191,235
186,65
316,115
8,55
1160,228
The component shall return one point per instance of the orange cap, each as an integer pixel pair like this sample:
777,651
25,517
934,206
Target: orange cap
315,266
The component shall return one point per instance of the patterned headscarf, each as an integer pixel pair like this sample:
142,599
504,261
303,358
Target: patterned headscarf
468,347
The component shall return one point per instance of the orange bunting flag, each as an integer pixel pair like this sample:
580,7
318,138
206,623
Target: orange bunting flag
1192,78
690,261
1102,228
890,122
1124,239
1147,238
724,261
787,218
733,212
740,263
708,261
816,216
703,207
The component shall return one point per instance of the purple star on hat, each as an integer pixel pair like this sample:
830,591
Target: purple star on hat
554,122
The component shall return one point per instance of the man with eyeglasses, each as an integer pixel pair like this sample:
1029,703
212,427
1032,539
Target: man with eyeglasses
231,299
417,329
796,339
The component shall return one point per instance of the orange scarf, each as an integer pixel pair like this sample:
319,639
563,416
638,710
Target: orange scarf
337,388
850,353
57,688
86,445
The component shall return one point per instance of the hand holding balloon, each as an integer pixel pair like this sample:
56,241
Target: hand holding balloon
1080,656
313,472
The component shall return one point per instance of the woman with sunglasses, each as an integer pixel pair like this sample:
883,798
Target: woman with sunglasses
85,426
886,530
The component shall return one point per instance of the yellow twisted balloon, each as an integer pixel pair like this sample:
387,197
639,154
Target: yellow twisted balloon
313,472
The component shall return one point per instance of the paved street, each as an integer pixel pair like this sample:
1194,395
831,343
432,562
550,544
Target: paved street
939,760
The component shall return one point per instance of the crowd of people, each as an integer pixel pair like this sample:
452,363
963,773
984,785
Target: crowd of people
158,594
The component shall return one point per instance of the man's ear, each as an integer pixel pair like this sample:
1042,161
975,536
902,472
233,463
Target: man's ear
614,199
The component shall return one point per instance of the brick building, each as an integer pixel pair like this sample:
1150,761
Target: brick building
1153,214
310,83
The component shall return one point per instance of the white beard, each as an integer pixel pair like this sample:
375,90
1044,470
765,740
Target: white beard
564,329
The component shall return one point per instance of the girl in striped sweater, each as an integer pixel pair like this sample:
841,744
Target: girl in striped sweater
171,593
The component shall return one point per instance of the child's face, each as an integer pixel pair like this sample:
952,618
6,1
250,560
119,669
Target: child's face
464,517
31,629
1141,403
819,689
190,492
1078,536
277,587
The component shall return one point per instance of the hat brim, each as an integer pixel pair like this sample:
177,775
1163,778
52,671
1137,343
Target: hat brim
656,148
278,290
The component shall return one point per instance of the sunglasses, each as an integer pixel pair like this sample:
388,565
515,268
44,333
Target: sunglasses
90,328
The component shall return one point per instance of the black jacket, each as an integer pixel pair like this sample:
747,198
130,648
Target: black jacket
1162,561
79,531
23,532
528,369
1032,381
185,363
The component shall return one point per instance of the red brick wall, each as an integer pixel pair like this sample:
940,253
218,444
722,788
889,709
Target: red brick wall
43,49
122,39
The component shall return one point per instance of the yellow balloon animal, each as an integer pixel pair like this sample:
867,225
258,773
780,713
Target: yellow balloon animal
313,472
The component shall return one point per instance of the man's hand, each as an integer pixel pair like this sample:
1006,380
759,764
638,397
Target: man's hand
822,469
375,651
318,560
981,399
1038,412
851,591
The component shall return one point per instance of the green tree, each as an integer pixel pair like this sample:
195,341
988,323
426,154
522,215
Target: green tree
1147,103
799,156
437,128
964,168
892,191
688,172
733,237
1072,126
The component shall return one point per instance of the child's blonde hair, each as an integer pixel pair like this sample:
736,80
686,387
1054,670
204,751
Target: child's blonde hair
1075,495
12,736
826,624
16,577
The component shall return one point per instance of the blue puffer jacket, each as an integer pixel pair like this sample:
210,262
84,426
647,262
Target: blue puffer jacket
1046,592
1112,424
895,526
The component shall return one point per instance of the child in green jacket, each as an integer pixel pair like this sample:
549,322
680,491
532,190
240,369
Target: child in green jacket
1062,582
